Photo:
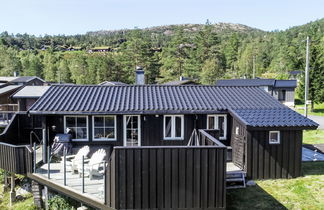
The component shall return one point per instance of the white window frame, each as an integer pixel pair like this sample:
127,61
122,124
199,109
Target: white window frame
173,127
215,116
139,129
278,134
87,121
115,128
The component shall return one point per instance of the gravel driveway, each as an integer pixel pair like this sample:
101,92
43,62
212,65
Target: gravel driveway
318,119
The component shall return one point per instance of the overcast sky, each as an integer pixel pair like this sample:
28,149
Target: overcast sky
41,17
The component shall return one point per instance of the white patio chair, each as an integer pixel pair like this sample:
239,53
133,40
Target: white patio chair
72,161
94,166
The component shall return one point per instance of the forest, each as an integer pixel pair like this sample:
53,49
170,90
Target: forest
204,52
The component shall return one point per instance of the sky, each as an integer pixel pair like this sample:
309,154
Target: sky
40,17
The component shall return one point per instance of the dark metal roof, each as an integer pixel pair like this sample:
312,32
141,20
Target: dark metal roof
272,117
296,72
25,79
245,82
257,82
150,99
286,83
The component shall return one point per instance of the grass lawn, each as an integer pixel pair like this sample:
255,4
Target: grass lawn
305,192
27,204
313,137
318,109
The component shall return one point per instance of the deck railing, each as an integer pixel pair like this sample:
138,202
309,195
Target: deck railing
166,177
209,137
16,159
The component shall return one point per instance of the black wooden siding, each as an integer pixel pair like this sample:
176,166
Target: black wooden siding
167,177
272,161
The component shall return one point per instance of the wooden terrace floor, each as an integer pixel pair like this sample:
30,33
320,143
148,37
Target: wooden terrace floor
93,188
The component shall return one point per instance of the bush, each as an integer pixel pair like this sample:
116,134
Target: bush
58,202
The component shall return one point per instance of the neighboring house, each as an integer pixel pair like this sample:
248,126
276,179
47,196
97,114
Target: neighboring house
182,81
7,105
166,145
8,86
28,80
112,83
28,95
282,90
295,74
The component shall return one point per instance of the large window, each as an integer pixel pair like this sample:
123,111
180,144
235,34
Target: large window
274,137
77,126
173,127
218,122
104,128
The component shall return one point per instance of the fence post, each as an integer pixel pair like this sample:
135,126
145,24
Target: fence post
35,156
105,183
64,167
82,173
48,162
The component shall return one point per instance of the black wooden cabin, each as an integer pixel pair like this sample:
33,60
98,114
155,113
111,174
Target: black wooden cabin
148,130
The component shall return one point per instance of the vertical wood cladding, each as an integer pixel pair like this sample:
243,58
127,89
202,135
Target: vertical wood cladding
238,143
167,178
272,161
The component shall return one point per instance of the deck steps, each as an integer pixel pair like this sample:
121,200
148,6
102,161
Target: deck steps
235,179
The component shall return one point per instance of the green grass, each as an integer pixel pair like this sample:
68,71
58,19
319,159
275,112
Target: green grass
26,204
318,109
313,137
305,192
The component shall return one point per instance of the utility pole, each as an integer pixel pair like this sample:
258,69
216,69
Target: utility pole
253,66
306,76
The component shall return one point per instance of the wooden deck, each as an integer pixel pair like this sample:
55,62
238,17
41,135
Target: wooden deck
231,168
94,189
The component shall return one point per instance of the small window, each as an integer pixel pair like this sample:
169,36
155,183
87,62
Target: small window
282,95
173,127
237,130
274,137
218,122
104,128
77,126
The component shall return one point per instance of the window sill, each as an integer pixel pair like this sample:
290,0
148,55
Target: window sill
76,140
173,139
104,139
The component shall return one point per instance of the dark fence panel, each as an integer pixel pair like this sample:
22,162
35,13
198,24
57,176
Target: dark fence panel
15,159
167,177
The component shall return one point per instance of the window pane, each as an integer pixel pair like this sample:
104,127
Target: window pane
110,121
131,121
274,137
81,122
167,126
71,131
221,125
109,133
99,133
98,121
81,133
178,126
211,123
70,122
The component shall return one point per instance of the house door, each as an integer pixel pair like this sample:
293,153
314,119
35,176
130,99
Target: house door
132,130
